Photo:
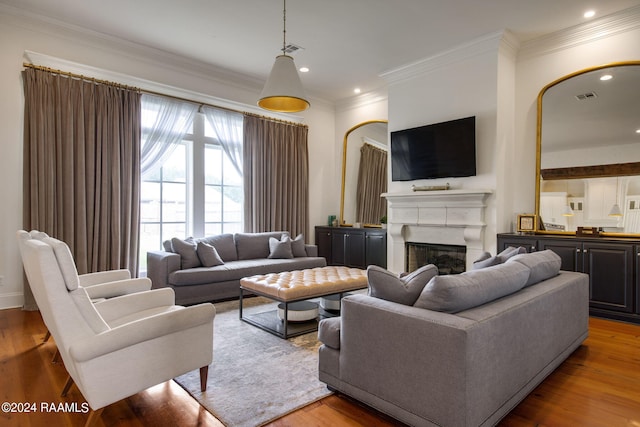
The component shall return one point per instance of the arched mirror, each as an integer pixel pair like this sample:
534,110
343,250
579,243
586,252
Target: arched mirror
364,174
588,151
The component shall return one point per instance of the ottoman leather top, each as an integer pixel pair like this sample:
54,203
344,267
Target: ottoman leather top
309,283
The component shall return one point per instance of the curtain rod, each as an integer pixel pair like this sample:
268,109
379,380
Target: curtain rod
150,92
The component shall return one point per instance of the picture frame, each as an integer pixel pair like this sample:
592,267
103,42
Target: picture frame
526,223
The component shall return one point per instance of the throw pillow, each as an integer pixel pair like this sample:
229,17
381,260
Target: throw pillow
509,252
224,244
458,292
543,265
208,255
280,248
297,246
167,246
485,260
187,249
404,290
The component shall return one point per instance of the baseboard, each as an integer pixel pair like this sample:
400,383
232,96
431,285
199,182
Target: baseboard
11,300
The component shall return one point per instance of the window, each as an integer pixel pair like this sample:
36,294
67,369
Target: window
196,191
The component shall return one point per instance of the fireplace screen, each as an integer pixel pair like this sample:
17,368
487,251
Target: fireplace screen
450,259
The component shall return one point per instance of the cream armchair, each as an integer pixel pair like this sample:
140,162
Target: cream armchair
99,285
111,361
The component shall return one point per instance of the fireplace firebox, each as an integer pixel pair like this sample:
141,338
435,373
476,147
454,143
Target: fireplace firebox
450,259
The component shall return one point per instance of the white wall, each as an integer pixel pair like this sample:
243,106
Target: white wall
147,68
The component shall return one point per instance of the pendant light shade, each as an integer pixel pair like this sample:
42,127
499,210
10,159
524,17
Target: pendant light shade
567,211
615,211
283,91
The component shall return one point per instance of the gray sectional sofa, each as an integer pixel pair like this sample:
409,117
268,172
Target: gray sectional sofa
210,268
460,351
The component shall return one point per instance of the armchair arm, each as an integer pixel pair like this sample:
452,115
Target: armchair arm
118,288
140,331
91,279
124,305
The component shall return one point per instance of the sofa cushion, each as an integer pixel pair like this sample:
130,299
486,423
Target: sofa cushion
280,249
457,292
255,245
485,261
208,255
224,244
298,246
404,290
543,265
187,249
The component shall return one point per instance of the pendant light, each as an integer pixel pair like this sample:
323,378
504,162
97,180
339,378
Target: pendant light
567,211
615,209
283,91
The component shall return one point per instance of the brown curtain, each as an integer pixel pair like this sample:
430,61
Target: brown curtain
82,167
372,182
276,176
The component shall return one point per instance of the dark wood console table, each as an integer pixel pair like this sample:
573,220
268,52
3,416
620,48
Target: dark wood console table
352,247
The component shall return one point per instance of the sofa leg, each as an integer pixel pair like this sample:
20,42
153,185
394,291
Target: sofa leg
204,373
67,386
93,417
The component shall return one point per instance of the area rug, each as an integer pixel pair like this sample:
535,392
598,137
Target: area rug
255,376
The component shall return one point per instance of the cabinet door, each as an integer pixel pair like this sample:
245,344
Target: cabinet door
610,269
636,286
355,249
530,243
323,241
570,251
338,247
376,249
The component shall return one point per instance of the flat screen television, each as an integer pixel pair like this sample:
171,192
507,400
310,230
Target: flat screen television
440,150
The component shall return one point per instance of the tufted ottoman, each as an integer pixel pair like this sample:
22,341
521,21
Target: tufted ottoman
292,286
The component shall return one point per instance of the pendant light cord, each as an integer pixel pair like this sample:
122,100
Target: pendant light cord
284,26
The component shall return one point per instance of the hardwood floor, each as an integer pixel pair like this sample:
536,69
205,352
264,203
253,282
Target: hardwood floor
598,385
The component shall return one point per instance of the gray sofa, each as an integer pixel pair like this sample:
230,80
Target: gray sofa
198,273
468,364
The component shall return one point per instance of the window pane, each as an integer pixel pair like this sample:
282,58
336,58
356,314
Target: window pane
231,175
232,203
149,241
175,168
212,228
149,202
174,202
212,204
213,165
232,227
170,230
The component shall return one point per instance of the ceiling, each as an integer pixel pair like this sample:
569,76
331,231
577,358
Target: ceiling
347,43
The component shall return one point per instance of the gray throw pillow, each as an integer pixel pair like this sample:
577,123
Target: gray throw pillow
404,290
509,252
485,260
187,250
458,292
168,247
297,246
280,248
224,244
208,255
543,265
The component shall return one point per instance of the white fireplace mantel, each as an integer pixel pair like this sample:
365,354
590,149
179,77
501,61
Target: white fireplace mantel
438,217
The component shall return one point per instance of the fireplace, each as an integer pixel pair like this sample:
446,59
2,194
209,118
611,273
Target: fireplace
450,259
451,217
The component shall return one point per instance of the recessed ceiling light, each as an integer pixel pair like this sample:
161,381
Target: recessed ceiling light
589,14
304,69
637,130
357,90
606,77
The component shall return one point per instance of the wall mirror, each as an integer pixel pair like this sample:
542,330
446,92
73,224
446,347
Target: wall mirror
364,174
588,151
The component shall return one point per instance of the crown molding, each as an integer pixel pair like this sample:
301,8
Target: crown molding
477,47
362,100
607,26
